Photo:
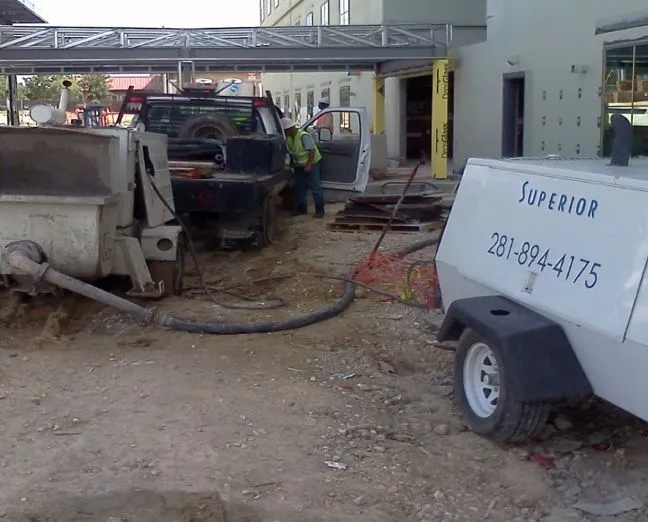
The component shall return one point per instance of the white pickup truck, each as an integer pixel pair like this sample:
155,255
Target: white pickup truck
543,271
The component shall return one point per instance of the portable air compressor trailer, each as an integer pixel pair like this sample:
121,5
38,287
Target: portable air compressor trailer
543,272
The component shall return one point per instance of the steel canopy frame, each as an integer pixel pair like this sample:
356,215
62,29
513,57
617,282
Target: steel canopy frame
47,49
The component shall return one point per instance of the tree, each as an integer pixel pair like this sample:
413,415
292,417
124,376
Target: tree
48,88
86,87
94,86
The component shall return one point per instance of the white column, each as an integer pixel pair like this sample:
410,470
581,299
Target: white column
395,106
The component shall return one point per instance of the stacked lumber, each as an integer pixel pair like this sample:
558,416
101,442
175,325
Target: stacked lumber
416,213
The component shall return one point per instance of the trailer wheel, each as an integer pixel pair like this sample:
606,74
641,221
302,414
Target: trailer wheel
486,399
171,273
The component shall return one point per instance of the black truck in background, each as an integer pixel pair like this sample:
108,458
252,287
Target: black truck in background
228,157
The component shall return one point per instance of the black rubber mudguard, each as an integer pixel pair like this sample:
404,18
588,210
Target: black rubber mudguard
538,358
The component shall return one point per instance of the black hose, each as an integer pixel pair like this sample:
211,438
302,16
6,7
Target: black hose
272,326
420,245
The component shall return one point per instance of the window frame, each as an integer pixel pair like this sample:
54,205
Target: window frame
310,19
325,7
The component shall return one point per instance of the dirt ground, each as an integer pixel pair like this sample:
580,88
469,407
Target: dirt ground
108,421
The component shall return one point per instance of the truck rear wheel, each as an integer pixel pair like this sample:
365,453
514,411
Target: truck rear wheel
486,398
268,225
171,273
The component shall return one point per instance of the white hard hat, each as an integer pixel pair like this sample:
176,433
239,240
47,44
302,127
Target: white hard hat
287,123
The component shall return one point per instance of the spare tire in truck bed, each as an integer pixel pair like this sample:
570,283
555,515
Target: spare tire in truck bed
215,126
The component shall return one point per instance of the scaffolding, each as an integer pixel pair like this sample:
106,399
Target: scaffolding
47,49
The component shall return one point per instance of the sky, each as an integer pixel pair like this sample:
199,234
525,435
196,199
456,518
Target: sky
150,13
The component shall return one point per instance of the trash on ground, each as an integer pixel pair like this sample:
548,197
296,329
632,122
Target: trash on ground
335,465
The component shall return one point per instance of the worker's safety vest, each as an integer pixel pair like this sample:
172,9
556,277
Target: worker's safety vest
297,151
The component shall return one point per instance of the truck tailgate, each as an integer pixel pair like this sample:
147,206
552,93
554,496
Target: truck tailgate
224,192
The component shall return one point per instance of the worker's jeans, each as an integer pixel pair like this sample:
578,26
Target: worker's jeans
308,180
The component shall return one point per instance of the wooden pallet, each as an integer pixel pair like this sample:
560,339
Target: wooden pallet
369,226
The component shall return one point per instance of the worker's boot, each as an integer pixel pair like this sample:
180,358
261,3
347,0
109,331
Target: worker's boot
319,214
300,211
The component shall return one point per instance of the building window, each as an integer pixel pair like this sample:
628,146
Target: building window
309,19
268,7
298,102
276,3
286,106
310,104
345,101
263,10
625,92
326,95
325,16
345,12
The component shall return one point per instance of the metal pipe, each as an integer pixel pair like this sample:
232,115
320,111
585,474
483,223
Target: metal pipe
28,258
65,96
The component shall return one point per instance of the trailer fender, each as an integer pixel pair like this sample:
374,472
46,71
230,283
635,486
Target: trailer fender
537,357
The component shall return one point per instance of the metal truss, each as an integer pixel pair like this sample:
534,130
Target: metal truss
38,49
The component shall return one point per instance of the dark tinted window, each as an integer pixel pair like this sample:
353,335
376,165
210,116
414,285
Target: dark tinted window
168,117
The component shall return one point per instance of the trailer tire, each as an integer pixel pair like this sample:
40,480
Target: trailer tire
216,126
171,273
498,415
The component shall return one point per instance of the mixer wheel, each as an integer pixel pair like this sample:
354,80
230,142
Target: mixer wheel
171,272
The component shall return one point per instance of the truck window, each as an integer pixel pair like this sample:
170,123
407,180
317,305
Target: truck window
270,121
167,118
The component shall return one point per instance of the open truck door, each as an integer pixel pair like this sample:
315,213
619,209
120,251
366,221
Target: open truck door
342,135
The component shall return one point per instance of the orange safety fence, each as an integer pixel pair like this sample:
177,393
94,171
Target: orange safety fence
388,271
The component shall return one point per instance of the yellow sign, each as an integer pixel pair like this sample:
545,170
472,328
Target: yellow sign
440,128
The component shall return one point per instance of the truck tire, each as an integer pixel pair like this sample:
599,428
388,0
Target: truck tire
216,126
486,399
268,221
171,273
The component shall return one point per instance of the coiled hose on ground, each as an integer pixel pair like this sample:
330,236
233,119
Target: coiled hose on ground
28,258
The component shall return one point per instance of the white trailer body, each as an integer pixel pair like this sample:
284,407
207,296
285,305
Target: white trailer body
568,241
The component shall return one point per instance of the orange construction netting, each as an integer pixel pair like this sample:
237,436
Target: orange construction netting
388,271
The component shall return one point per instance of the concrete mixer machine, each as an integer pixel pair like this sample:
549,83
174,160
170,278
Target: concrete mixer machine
97,201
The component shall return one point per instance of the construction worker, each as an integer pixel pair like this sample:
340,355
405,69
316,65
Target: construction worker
305,159
325,121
